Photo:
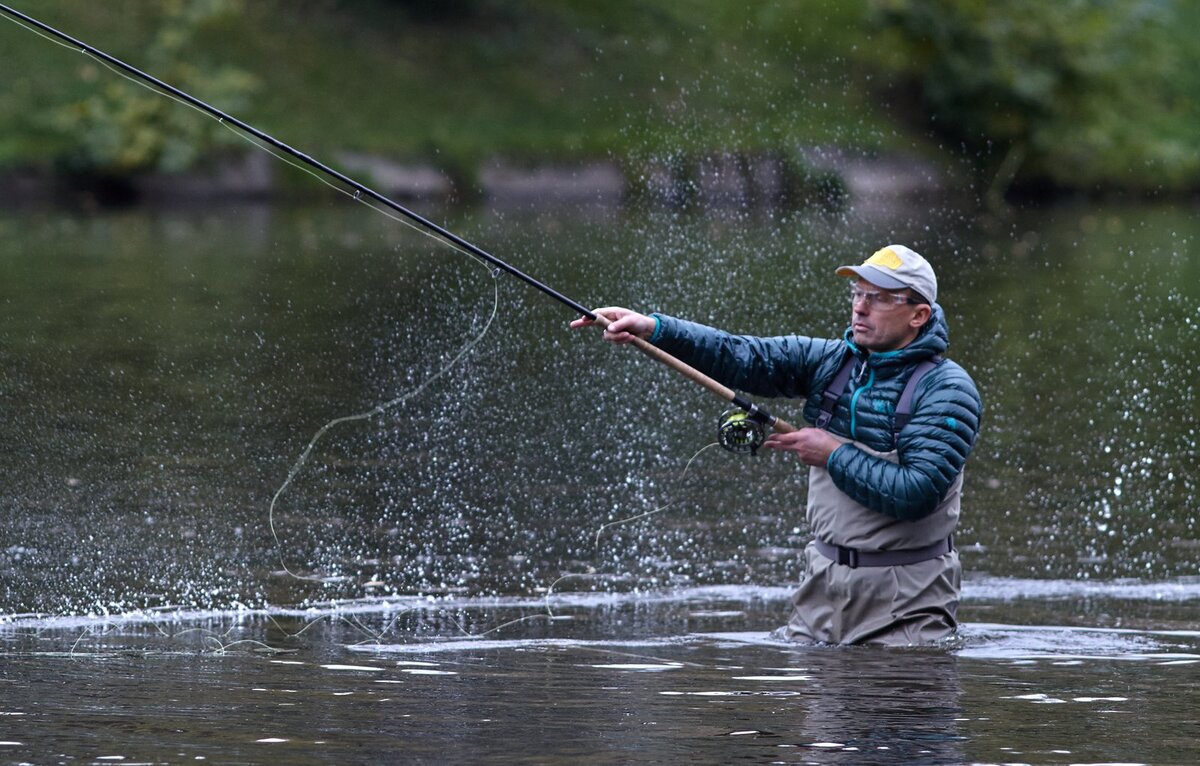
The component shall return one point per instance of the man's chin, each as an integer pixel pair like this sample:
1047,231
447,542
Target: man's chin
869,343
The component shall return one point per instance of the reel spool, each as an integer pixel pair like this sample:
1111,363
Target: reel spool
739,433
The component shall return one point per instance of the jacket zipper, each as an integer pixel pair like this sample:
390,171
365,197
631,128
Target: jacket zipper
854,404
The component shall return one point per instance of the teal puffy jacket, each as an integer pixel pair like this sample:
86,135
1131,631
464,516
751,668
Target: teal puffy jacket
933,446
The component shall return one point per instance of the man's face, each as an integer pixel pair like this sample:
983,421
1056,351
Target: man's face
879,324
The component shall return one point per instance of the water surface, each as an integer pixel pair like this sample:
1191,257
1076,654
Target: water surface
164,369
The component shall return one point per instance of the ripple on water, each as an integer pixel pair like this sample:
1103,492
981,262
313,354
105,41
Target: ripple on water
1061,644
643,666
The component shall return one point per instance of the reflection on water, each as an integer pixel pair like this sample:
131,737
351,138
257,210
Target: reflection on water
332,687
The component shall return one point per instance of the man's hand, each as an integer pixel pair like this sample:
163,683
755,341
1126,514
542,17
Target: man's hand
812,445
624,324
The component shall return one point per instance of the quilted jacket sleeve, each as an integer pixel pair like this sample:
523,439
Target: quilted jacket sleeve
761,366
932,449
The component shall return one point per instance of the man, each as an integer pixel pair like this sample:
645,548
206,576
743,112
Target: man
884,486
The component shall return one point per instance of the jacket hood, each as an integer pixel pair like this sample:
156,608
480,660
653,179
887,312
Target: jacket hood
933,339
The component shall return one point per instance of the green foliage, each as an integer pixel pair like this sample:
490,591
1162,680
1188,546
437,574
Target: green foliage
520,79
123,128
439,10
1074,93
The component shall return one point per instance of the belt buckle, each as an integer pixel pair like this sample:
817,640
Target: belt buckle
847,557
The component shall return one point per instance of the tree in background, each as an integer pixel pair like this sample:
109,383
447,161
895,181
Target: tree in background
1071,94
439,10
124,129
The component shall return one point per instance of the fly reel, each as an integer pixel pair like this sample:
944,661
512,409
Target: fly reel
739,432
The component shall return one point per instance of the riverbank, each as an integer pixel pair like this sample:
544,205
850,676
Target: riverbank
575,100
823,177
438,90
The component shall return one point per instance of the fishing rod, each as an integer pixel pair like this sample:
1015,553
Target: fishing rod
738,431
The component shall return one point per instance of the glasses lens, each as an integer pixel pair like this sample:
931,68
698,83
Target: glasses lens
857,296
877,299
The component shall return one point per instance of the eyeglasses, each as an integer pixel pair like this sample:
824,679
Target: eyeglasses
880,299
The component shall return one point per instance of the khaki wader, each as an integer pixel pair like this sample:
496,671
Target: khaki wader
890,605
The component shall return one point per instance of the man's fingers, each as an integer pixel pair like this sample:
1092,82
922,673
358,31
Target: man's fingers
776,443
617,337
620,325
781,439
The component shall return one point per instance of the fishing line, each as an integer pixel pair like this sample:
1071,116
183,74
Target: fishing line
734,439
549,611
44,36
734,434
379,409
222,647
376,411
357,196
662,508
377,636
86,632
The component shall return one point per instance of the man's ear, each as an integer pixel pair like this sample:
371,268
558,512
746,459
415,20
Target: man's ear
921,317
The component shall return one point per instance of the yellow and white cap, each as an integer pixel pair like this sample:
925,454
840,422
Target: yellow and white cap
896,267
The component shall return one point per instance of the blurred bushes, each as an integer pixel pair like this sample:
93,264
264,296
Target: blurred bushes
1078,94
123,128
1068,94
439,10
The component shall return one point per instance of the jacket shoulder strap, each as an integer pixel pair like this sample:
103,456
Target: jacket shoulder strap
904,406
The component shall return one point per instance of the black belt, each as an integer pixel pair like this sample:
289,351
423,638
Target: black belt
853,558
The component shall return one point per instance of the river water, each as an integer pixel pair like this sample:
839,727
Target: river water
535,555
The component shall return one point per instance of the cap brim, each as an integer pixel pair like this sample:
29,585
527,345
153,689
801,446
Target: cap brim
873,275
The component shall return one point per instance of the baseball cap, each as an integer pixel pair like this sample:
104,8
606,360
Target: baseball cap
896,267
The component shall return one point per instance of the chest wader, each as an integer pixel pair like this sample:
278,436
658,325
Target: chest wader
869,578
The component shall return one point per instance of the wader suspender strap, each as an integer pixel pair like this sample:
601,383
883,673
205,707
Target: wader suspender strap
903,407
834,390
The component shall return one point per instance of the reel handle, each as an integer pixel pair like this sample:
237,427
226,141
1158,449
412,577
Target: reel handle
691,373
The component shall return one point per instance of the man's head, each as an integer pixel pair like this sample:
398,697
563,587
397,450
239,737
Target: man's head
891,299
896,267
